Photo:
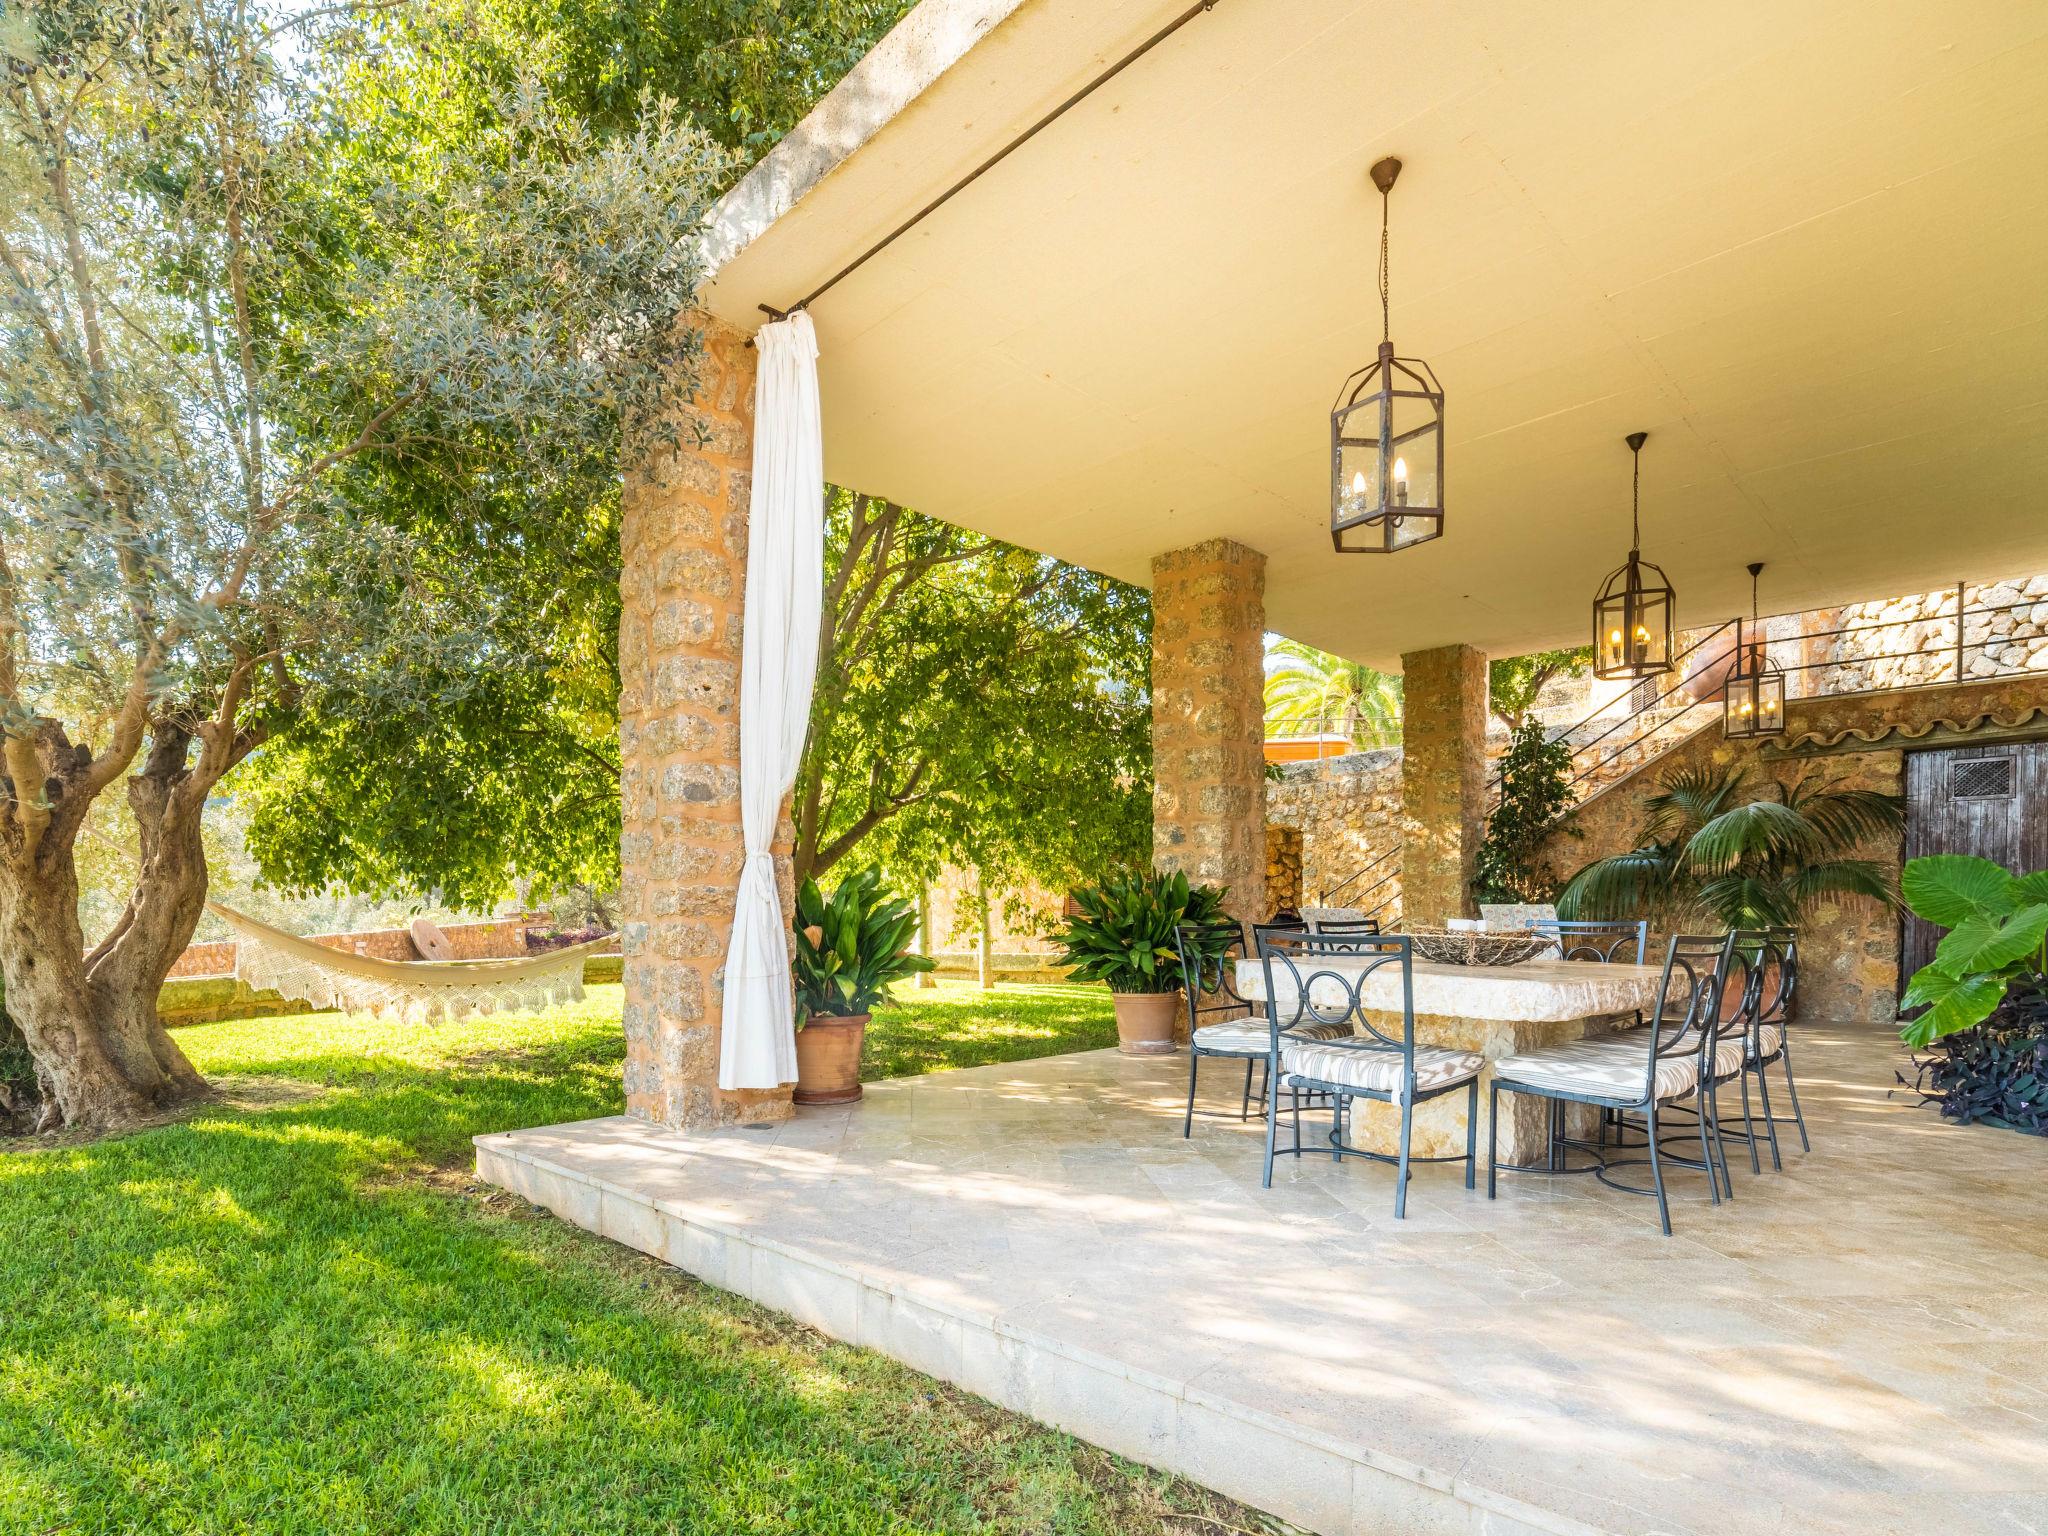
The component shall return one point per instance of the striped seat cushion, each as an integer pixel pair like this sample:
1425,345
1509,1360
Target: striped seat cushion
1603,1068
1770,1039
1250,1036
1727,1053
1378,1069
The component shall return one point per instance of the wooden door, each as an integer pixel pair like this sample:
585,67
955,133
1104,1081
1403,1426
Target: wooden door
1991,801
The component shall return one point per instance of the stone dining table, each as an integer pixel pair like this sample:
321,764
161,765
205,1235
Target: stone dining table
1495,1010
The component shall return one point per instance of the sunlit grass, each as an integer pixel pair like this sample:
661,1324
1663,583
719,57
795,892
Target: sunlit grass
304,1318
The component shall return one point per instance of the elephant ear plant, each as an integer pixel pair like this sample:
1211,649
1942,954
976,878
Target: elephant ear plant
851,947
1123,933
1995,954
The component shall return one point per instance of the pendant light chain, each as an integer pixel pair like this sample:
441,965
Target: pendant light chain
1386,308
1635,504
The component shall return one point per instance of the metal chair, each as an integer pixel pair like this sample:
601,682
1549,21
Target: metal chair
1365,925
1770,957
1644,1070
1322,979
1243,1034
1615,941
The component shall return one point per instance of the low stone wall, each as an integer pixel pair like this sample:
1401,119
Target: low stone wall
1993,643
1028,966
1347,810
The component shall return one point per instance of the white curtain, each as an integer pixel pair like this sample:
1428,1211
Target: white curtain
778,665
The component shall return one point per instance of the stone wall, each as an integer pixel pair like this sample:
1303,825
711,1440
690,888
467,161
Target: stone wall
1348,812
683,549
1283,866
2015,640
1851,947
1443,779
1208,718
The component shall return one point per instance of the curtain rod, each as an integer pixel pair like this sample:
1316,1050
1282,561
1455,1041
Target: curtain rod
1137,53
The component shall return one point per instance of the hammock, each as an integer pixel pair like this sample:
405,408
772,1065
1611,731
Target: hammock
418,991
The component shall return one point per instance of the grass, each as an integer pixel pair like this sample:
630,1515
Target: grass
294,1313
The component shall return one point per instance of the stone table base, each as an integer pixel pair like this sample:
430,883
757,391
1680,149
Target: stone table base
1439,1129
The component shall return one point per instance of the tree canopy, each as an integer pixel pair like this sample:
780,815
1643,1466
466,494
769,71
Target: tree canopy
1310,691
1514,683
977,704
216,316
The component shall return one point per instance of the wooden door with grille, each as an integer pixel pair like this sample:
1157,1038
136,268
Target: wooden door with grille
1990,800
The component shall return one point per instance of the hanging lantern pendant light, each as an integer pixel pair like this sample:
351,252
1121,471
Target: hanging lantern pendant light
1387,437
1632,616
1753,703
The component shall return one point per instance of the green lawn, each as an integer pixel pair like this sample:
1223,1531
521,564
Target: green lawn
295,1313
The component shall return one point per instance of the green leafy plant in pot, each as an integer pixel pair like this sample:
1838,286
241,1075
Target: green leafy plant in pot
1121,933
851,948
1983,999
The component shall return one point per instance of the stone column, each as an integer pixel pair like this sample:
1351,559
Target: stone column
682,585
1443,780
1208,719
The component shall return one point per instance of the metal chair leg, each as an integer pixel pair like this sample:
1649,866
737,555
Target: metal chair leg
1720,1146
1187,1124
1471,1132
1785,1061
1336,1127
1401,1173
1272,1127
1657,1173
1244,1111
1492,1138
1763,1090
1706,1150
1294,1101
1749,1126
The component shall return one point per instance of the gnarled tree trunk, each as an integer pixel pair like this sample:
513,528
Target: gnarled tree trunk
103,1058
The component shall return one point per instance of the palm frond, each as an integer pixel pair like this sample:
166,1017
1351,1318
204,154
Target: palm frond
1626,885
1846,818
1761,830
1687,799
1844,877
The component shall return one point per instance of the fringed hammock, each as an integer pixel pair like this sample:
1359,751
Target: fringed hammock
418,991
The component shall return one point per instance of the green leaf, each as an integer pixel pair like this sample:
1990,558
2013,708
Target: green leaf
2029,890
1957,1004
1989,944
1947,888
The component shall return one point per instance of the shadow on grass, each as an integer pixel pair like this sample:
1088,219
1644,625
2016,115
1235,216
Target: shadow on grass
267,1321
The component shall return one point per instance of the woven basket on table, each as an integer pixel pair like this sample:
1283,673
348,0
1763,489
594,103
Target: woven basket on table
1459,947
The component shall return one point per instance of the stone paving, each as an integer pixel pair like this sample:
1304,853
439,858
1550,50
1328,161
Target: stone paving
1855,1345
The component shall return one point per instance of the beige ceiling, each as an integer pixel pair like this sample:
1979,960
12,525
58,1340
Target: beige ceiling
1804,243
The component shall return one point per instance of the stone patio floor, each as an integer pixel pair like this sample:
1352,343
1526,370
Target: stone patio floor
1858,1344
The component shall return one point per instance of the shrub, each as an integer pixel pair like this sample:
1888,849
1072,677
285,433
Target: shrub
1123,934
1535,801
851,947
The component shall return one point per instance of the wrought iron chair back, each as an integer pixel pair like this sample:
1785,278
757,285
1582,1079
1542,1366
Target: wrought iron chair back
1687,1013
1209,975
1784,948
1335,925
1322,995
1599,941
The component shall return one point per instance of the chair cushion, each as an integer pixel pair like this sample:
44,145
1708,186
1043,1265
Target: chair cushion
1251,1035
1770,1039
1603,1067
1727,1053
1377,1068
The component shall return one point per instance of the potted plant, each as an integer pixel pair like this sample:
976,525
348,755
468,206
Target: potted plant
851,947
1122,934
1712,850
1984,996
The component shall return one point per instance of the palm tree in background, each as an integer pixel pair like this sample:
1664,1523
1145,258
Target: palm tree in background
1310,691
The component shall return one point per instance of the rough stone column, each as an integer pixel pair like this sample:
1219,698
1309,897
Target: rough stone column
682,584
1208,714
1443,780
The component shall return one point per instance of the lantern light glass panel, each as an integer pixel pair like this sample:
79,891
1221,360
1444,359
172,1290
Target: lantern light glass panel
1632,619
1753,703
1387,457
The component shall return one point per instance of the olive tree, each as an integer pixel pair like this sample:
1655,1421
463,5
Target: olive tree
209,315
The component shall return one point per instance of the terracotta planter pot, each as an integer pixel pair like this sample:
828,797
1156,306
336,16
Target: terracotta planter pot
1144,1022
1731,1000
828,1059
